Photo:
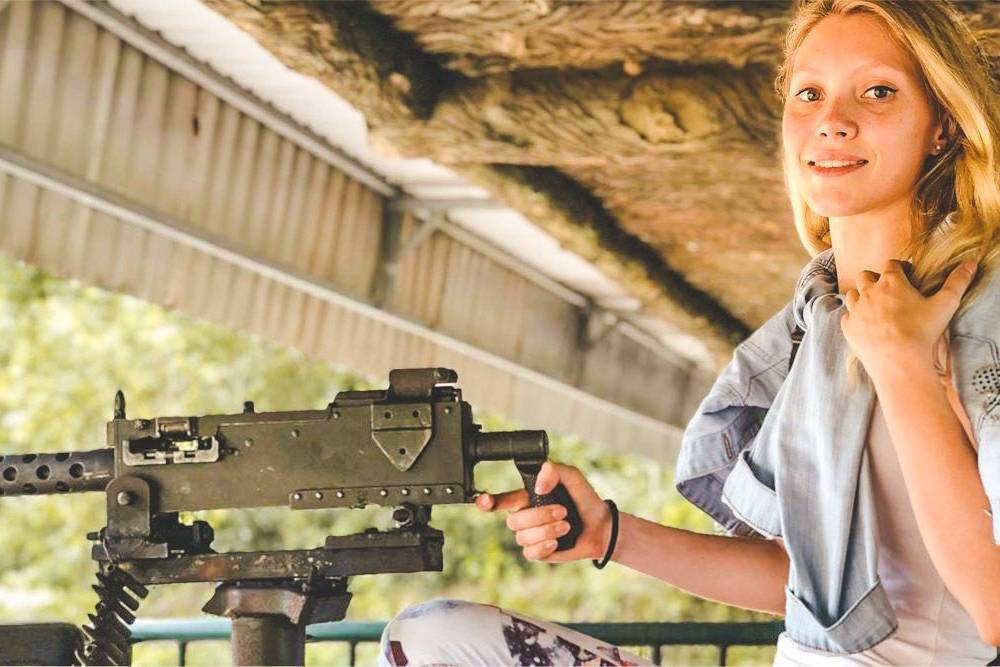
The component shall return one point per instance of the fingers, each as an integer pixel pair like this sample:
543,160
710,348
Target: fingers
898,268
549,531
535,516
510,500
958,281
552,474
851,297
893,266
537,529
539,551
484,501
867,279
548,478
539,542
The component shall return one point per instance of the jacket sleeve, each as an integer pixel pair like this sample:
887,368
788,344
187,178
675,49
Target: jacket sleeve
729,417
975,348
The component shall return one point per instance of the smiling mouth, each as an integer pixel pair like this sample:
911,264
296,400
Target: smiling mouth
836,164
835,167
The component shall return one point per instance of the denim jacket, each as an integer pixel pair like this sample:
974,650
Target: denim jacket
800,471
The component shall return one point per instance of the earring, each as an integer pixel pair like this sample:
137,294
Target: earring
937,148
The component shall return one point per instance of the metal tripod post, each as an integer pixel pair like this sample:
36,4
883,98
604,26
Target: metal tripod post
270,618
268,639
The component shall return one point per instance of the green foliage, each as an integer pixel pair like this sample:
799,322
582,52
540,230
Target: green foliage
68,348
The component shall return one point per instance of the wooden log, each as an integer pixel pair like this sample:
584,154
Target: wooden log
724,222
344,46
485,37
593,119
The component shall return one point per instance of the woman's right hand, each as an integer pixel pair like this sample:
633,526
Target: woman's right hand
537,528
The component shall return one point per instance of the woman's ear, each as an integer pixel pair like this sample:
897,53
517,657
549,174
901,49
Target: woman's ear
947,131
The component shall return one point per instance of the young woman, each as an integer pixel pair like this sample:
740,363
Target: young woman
884,544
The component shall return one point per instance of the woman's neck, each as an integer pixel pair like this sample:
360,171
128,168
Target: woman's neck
866,242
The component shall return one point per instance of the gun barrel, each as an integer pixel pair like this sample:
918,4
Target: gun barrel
508,445
63,472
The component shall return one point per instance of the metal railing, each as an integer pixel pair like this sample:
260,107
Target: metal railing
652,635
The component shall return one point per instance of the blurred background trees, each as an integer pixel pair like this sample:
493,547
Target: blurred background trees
67,348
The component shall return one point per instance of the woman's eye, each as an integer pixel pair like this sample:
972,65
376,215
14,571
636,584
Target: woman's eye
807,90
886,89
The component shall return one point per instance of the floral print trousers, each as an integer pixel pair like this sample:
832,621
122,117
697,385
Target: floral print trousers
444,633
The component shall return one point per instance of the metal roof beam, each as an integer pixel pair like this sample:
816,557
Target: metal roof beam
433,205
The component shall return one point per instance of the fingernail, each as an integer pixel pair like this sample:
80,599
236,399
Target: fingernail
551,544
970,266
558,512
562,528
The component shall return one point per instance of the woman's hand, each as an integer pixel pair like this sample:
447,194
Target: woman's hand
537,528
889,322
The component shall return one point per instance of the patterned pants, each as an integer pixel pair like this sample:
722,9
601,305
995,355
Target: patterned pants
442,633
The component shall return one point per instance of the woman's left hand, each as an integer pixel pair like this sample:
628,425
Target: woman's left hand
889,322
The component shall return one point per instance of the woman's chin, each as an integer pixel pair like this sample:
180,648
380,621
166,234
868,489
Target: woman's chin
836,208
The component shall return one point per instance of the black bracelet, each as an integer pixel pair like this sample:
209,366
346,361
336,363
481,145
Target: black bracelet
614,536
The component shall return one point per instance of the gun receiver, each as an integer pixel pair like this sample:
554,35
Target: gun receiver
410,446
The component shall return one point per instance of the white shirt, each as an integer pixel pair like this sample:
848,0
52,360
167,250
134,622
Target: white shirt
934,629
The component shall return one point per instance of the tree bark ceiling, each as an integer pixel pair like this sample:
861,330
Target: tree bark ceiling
645,136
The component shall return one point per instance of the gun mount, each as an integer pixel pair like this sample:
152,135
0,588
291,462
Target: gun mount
410,446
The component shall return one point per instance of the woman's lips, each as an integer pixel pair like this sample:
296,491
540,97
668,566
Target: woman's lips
835,171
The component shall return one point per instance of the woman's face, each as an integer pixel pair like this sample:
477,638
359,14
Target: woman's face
855,95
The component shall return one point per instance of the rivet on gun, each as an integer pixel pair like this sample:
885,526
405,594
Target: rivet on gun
124,498
427,491
248,442
295,432
405,492
318,495
447,410
296,496
449,490
383,493
340,494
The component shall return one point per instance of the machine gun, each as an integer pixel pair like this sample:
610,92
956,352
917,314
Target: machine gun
411,446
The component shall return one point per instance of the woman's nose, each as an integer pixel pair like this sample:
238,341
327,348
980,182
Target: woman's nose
836,123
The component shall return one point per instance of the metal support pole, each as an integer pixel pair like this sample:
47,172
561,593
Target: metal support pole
268,639
389,246
270,618
394,249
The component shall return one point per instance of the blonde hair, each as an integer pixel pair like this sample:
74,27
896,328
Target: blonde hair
956,205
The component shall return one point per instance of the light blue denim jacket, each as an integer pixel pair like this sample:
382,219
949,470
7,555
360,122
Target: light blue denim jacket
799,471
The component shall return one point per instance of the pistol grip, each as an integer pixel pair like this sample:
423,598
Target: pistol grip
558,496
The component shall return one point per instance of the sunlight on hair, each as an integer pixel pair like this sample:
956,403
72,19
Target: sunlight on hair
964,180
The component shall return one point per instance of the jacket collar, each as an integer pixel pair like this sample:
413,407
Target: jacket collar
817,280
